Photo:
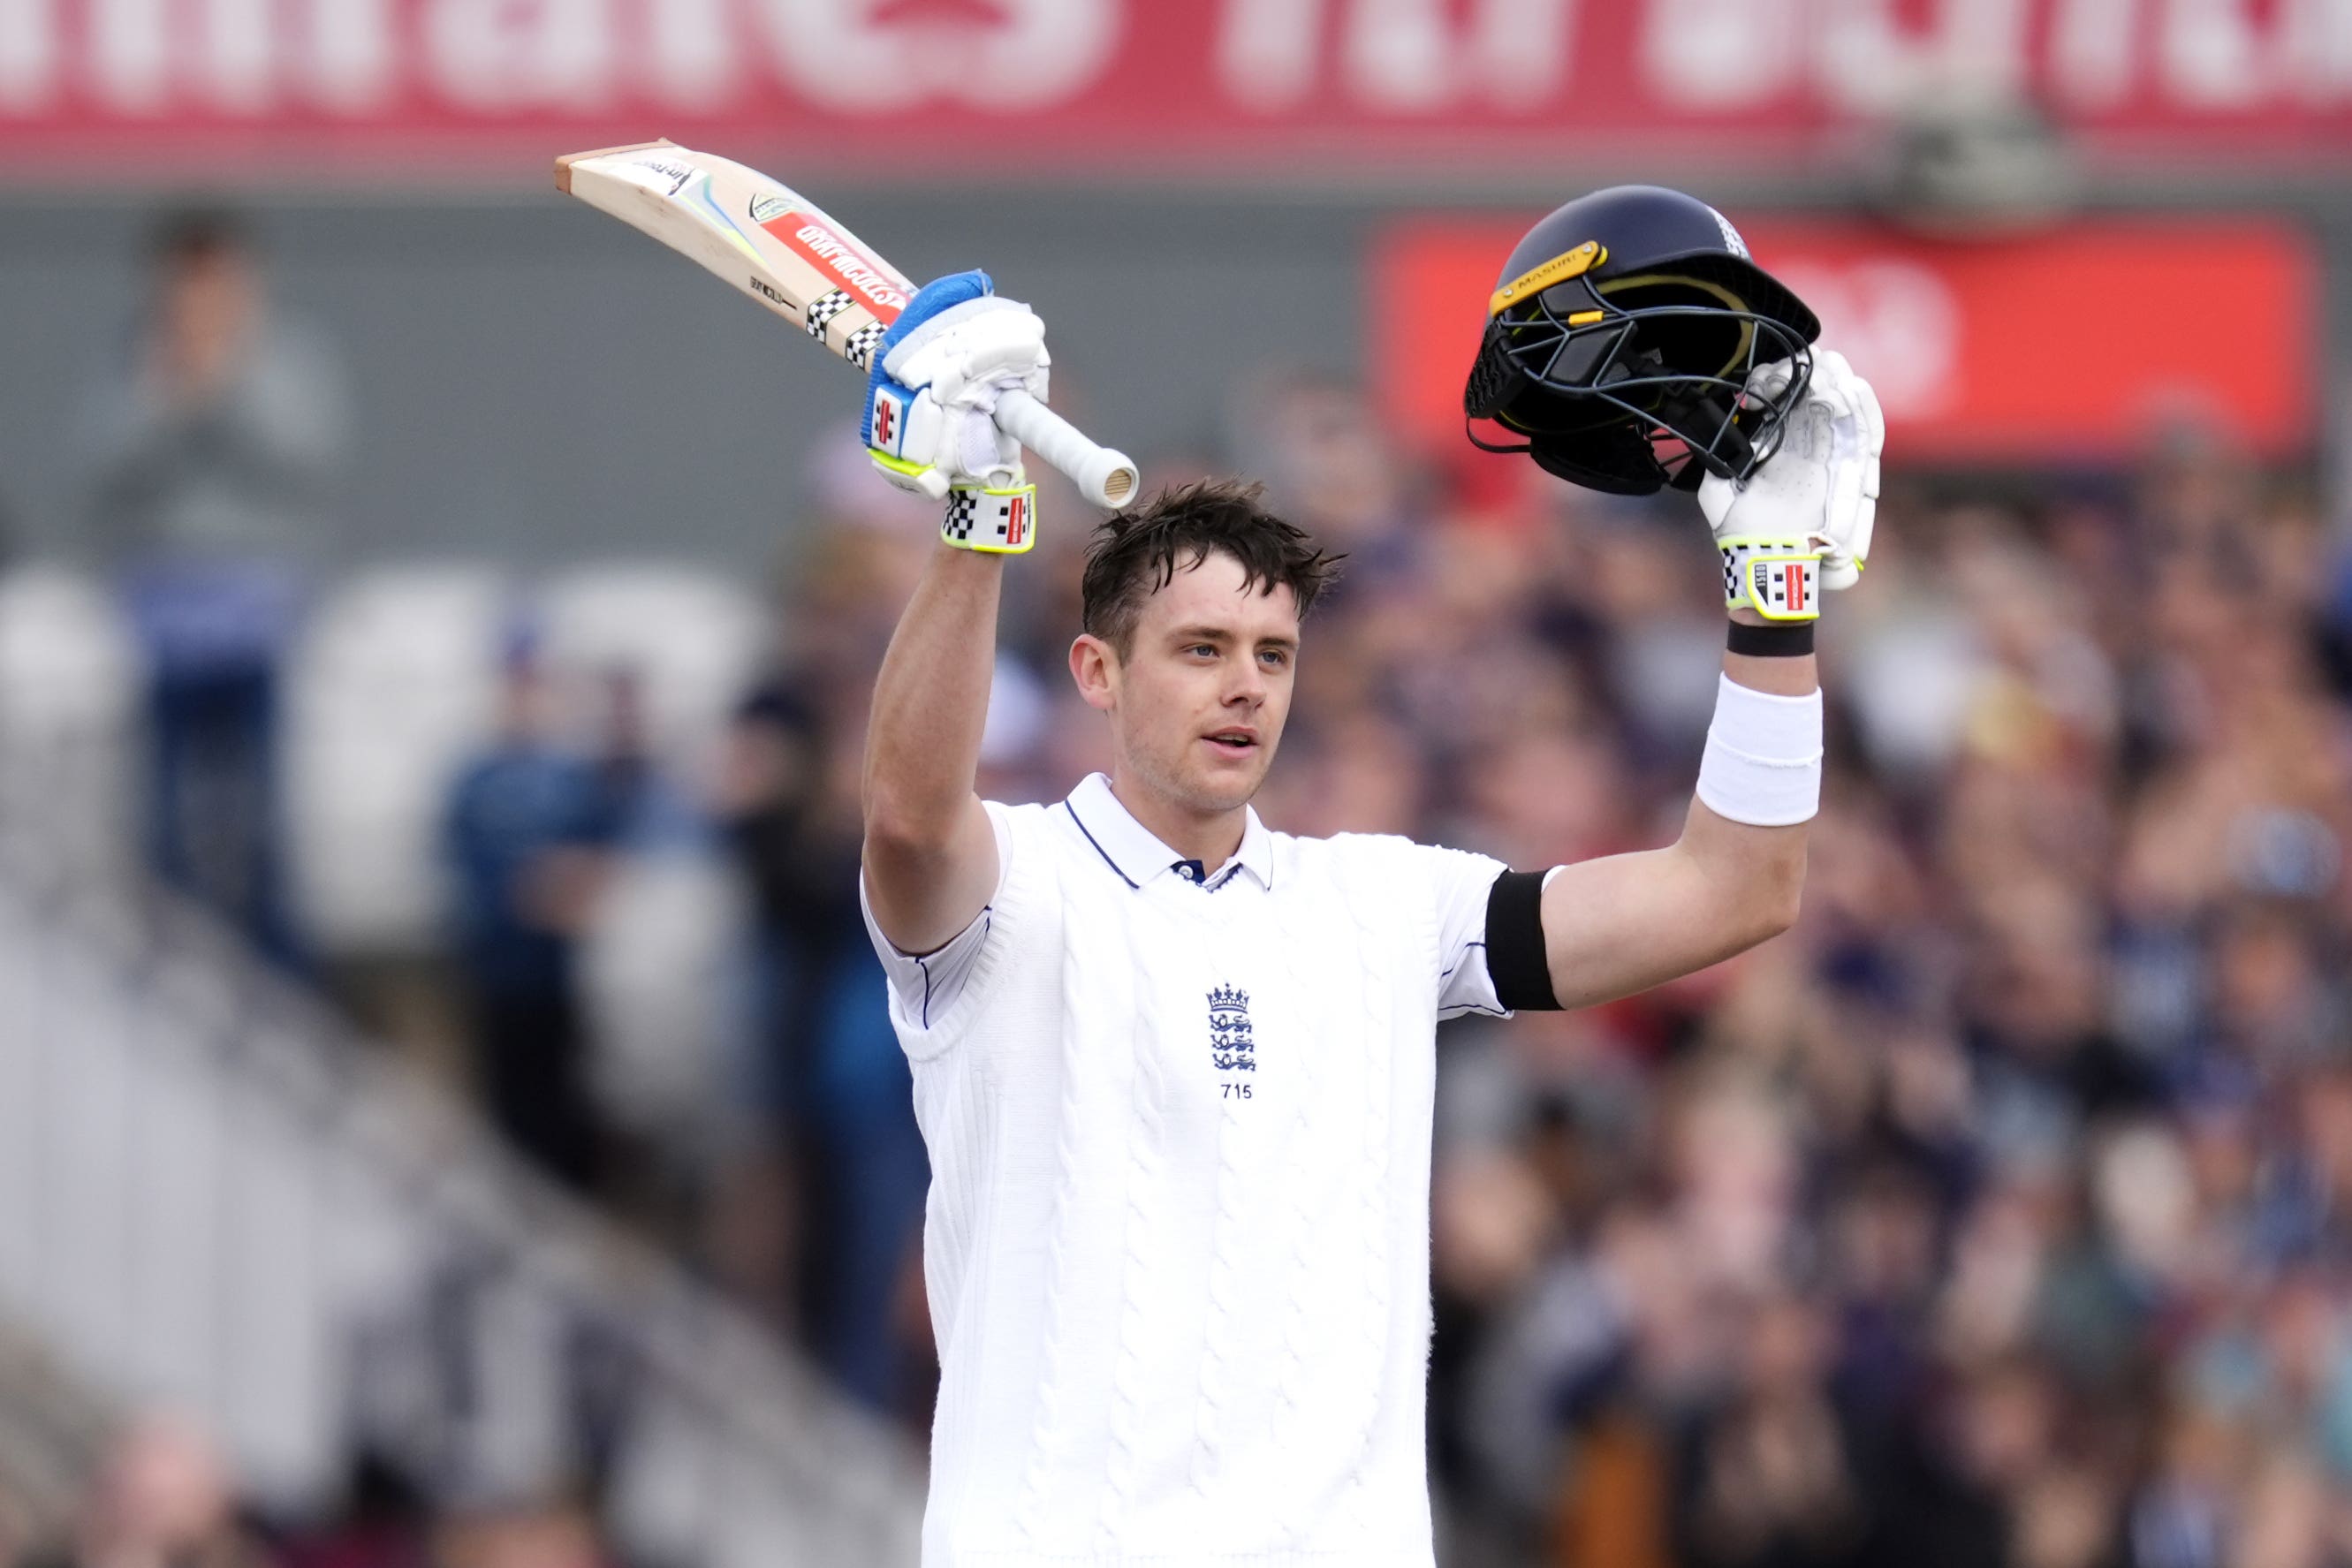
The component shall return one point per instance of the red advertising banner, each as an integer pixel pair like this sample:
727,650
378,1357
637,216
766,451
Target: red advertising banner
910,86
2065,346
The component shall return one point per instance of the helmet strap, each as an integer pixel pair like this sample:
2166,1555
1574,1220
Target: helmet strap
1488,446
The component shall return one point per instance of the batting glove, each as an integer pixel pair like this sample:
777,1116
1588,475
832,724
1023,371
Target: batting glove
930,397
1801,523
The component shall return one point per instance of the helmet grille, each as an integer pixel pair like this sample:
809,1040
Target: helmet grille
1654,380
1631,370
1698,328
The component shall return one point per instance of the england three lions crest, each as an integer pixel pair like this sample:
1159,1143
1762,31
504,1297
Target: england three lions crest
1231,1047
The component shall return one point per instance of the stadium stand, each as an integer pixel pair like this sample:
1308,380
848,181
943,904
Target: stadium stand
217,1200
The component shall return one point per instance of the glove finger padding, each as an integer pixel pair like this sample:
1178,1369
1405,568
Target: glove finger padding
1822,485
933,393
1803,520
979,448
967,354
1798,436
1859,429
1766,381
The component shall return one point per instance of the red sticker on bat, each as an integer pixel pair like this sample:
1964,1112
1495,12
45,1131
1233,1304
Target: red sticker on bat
869,281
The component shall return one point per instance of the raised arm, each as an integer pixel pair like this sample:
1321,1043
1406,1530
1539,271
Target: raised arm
1623,924
930,852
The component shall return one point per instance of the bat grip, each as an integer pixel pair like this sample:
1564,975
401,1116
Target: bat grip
1105,477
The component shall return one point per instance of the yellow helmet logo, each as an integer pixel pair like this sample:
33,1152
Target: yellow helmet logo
1536,280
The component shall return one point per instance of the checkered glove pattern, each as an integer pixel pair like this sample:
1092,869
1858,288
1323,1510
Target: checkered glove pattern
991,519
1777,578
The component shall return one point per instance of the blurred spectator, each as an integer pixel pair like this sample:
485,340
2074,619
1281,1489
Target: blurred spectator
1770,1477
162,1500
526,828
635,800
656,964
523,1536
384,1524
842,1153
215,437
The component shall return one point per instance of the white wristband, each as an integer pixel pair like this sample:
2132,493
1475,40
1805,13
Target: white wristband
1763,761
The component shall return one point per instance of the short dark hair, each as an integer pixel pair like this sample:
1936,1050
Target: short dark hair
1138,552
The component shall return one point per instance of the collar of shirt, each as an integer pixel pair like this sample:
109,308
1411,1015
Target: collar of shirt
1136,852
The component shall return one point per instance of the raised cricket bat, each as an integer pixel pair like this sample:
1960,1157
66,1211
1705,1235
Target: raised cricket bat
780,248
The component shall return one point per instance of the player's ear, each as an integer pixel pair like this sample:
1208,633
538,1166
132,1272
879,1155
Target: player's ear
1094,666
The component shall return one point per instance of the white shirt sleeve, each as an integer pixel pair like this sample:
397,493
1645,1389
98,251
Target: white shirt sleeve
924,986
1463,882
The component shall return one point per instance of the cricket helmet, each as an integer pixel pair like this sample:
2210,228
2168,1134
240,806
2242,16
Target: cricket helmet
1620,338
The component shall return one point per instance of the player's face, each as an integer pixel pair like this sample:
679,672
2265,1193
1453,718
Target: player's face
1198,704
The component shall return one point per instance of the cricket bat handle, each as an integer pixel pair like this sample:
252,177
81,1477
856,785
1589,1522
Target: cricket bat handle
1105,477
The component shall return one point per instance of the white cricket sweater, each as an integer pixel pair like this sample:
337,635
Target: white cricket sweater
1177,1241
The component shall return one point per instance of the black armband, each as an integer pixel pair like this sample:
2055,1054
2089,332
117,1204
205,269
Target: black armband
1793,641
1515,943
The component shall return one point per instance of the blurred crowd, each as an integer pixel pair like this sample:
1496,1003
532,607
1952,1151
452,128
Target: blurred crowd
1999,1216
162,1496
2002,1212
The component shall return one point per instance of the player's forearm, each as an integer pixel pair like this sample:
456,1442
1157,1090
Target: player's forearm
1754,878
1754,873
930,859
930,702
1623,924
1734,878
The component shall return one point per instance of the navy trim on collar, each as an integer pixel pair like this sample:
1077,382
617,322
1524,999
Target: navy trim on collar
1136,853
1081,821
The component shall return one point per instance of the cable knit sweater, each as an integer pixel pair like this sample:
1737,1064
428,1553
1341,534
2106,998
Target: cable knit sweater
1177,1242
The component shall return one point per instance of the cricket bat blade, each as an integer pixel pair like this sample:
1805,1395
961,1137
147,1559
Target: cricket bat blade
778,246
